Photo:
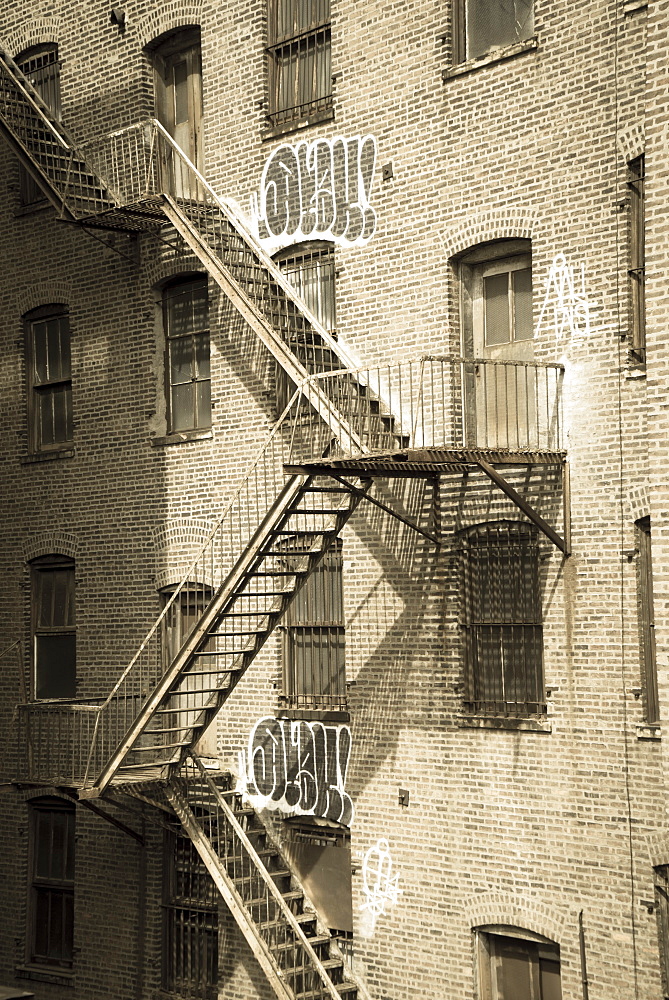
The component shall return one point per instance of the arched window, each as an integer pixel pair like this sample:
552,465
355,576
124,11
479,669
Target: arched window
515,964
49,370
53,627
502,620
177,74
41,66
188,376
51,902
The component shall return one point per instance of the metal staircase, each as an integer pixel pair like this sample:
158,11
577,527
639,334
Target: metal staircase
234,626
297,954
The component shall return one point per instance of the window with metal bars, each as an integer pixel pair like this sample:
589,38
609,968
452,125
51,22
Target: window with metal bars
51,901
647,621
298,52
48,366
314,667
53,627
636,179
310,268
481,26
661,878
502,620
186,324
41,66
190,922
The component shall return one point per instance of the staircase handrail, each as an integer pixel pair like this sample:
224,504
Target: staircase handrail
270,885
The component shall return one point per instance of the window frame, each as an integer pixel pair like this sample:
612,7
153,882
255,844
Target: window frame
48,388
646,619
460,35
183,45
38,568
168,294
196,915
302,44
45,78
661,884
636,184
63,888
312,643
490,944
496,637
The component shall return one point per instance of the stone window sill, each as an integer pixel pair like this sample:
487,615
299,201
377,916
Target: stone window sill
62,977
490,58
181,438
47,456
648,731
284,128
632,6
314,715
504,722
33,208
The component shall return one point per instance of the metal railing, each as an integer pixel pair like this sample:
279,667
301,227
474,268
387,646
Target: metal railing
431,403
273,930
436,403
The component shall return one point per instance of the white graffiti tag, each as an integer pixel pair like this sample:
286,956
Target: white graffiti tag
298,768
378,882
565,301
317,190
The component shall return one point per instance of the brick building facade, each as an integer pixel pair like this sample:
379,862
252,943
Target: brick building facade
452,739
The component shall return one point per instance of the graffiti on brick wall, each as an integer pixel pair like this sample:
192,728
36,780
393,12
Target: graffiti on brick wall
317,190
379,885
298,768
566,306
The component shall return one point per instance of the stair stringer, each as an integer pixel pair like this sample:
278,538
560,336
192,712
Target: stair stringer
177,792
286,505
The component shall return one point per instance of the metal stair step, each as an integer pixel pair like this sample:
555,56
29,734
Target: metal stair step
344,989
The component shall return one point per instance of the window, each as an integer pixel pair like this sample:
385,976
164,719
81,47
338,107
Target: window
177,64
190,921
518,968
182,615
636,175
502,620
51,902
497,328
661,874
314,674
41,66
647,621
481,26
53,627
186,324
298,49
49,378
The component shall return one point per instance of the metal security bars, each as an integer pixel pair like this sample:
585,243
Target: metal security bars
298,52
502,620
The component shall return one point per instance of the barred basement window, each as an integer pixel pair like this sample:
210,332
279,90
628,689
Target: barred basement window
502,620
661,873
190,922
49,371
53,627
298,51
314,668
647,621
51,902
186,324
636,179
41,66
481,26
518,965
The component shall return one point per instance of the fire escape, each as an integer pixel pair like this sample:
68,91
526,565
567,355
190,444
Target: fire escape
343,427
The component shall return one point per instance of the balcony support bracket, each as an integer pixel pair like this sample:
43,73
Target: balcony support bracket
388,510
561,543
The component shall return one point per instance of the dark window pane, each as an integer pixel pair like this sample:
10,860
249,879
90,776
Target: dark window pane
522,304
40,352
202,355
181,92
183,416
181,360
496,306
493,23
55,671
203,403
